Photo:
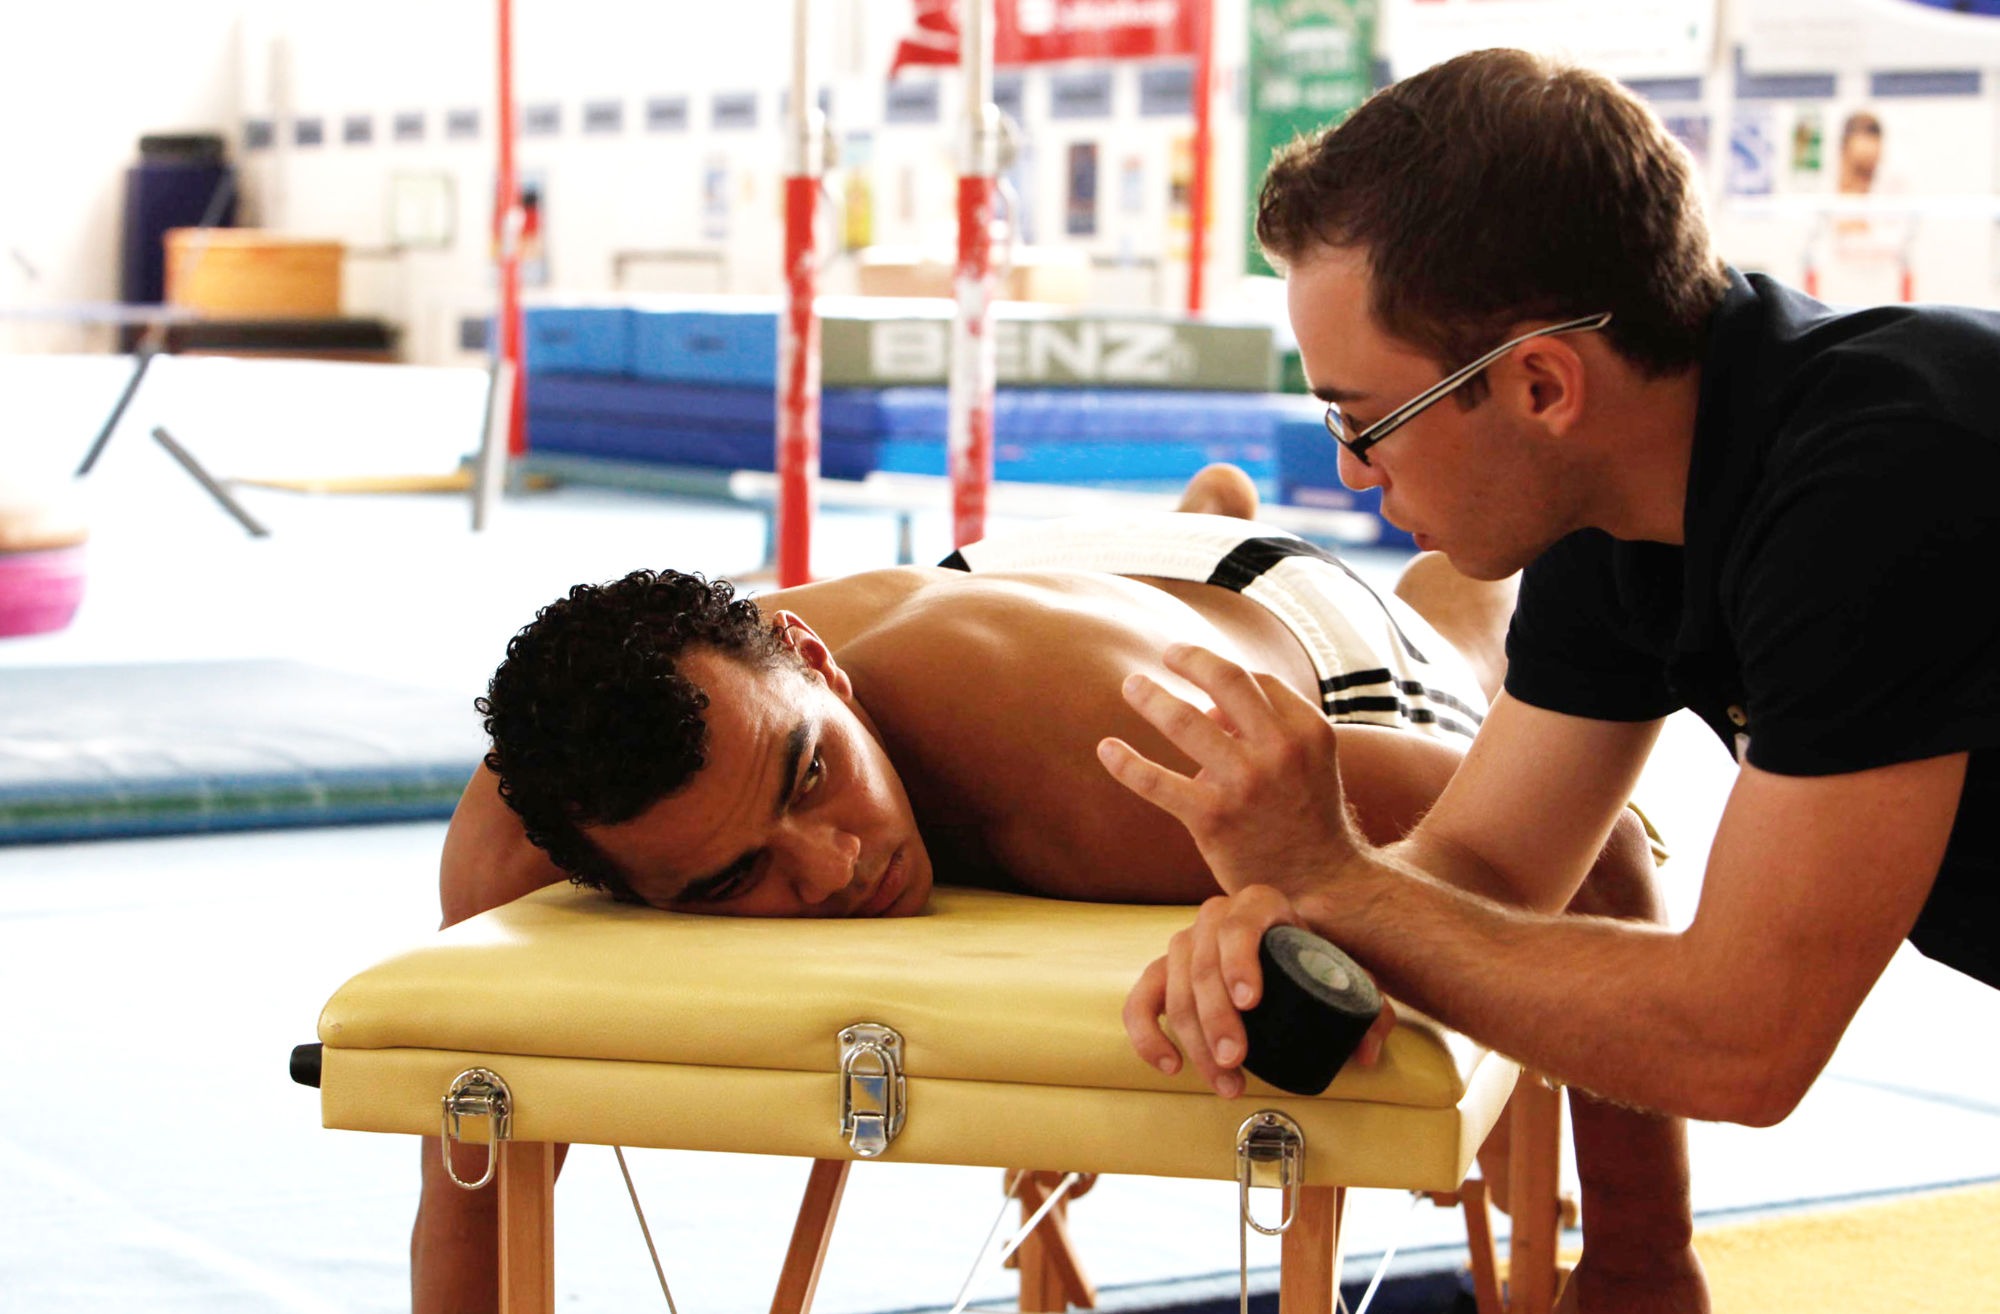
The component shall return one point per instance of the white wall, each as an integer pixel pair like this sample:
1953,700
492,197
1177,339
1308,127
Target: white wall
80,81
89,77
706,189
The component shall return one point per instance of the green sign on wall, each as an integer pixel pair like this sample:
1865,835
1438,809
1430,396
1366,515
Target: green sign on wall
1311,62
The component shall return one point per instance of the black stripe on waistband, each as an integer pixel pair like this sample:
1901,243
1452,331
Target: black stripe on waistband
1253,558
956,561
1248,561
1415,688
1395,706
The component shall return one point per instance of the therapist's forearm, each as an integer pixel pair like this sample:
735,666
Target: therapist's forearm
1622,1009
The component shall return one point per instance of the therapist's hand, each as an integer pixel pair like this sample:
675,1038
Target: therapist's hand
1209,972
1265,806
1266,810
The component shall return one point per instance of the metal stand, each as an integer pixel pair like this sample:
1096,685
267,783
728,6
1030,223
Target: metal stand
142,360
207,481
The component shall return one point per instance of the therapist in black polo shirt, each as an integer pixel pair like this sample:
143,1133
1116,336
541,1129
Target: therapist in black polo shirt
1726,496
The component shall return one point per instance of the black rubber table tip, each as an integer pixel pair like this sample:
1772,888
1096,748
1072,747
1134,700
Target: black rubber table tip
305,1064
1317,1006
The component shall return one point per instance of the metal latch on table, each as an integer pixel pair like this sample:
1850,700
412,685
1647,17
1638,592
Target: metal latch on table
872,1094
477,1093
1270,1151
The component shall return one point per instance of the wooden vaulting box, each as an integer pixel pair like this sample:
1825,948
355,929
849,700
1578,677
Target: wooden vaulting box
252,273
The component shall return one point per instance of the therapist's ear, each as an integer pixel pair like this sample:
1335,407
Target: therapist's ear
811,650
1552,383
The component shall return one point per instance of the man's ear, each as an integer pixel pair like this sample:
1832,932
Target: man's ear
811,650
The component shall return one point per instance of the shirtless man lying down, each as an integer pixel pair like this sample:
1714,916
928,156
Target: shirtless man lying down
830,750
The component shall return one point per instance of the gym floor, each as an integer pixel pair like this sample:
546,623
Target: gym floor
153,1153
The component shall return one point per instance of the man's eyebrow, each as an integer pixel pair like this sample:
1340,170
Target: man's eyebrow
1339,395
795,750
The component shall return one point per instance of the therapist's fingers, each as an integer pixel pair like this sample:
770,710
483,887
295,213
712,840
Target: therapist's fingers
1187,727
1369,1052
1181,1012
1221,1025
1142,1019
1292,710
1254,910
1235,690
1170,791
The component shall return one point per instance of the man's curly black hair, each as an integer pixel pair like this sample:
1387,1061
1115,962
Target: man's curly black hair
590,718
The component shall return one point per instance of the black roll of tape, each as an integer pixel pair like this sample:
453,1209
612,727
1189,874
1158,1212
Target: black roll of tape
1317,1006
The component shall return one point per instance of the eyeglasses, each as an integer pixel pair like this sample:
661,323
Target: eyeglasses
1343,431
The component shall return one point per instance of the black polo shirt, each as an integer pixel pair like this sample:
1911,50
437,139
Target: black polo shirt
1836,605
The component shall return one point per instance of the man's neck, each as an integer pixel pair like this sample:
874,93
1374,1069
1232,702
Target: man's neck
1647,444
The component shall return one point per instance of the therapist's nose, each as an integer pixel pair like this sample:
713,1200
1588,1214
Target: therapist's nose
1354,473
819,859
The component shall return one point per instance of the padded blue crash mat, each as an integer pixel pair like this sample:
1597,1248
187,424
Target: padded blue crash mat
92,752
1096,436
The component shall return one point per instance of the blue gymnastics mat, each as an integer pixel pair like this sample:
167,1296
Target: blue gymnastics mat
98,752
1041,435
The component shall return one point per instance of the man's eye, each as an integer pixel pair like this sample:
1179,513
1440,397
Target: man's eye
815,773
736,887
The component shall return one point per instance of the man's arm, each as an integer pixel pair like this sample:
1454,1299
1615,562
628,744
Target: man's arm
1812,883
1531,808
454,1245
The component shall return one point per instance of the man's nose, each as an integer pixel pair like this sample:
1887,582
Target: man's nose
822,860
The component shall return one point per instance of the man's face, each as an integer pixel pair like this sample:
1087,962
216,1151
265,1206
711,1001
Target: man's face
797,813
1460,480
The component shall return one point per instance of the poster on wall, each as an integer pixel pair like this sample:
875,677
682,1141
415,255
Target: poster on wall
533,194
1787,36
1627,39
1869,198
715,200
1080,201
1311,62
1753,154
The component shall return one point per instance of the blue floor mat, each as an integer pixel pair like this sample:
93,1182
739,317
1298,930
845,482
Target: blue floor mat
92,752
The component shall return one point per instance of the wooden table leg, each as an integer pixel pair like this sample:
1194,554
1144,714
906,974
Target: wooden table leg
1309,1253
527,1185
1052,1277
1534,1171
1479,1247
810,1236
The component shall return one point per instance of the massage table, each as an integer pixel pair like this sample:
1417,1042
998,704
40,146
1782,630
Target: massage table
984,1032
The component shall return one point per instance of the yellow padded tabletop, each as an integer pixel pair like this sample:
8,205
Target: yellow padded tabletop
646,1027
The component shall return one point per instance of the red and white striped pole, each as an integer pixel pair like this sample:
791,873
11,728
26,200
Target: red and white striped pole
969,438
798,326
1204,99
509,219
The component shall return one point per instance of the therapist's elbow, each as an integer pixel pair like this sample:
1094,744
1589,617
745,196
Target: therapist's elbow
1759,1102
1756,1084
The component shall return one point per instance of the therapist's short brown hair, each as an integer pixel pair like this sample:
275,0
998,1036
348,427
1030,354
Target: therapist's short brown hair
1499,187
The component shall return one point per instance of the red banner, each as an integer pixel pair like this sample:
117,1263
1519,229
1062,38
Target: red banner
1045,31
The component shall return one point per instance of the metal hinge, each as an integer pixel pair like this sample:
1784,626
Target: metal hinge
477,1093
871,1087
